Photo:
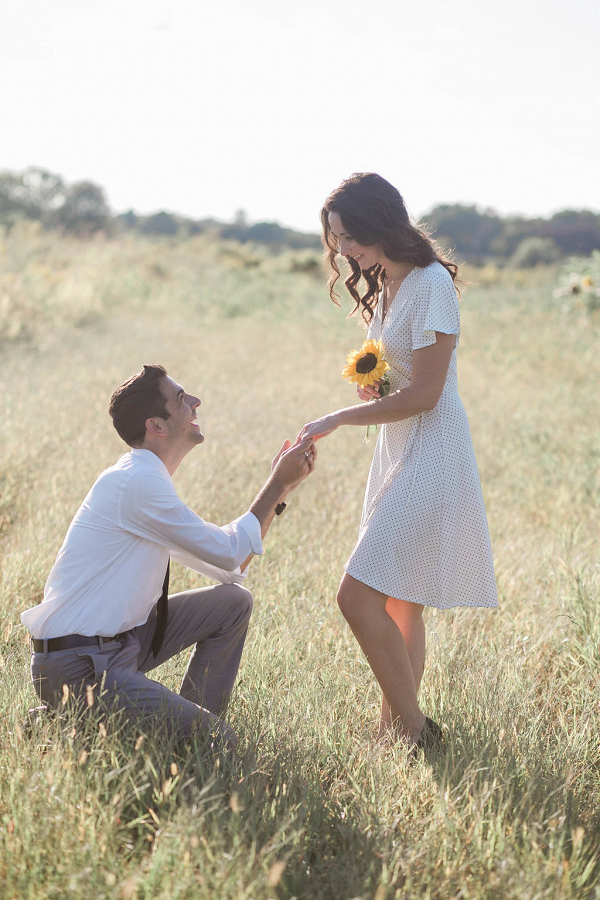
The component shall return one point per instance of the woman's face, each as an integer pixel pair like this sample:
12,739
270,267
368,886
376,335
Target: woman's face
347,246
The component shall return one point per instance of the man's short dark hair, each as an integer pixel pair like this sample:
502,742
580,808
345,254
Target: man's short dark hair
137,399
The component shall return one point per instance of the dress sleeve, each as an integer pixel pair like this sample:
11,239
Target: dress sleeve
435,309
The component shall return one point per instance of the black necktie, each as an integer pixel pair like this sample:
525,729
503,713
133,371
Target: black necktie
162,612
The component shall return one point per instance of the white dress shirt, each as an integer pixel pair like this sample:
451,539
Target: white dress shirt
110,569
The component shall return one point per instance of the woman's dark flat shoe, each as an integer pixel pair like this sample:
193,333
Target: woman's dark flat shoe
431,739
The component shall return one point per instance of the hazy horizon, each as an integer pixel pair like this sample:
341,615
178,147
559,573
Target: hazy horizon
202,109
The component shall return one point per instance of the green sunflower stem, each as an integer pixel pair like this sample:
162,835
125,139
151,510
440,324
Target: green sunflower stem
384,386
384,389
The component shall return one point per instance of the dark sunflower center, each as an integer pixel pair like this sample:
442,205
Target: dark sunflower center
366,363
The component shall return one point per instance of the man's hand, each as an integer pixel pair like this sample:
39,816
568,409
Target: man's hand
293,463
291,466
286,446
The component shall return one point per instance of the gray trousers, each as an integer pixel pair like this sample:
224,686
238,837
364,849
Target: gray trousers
215,619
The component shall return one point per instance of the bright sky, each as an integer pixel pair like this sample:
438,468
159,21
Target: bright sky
205,107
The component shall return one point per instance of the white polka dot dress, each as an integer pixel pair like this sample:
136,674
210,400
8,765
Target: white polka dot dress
424,534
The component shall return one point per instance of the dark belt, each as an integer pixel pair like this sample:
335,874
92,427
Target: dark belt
70,641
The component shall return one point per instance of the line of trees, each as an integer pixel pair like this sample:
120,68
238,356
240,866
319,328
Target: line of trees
479,235
82,209
169,224
475,235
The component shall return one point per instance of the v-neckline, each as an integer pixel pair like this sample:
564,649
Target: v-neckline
400,286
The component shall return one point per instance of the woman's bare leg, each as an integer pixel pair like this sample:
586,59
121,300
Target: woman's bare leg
409,619
385,649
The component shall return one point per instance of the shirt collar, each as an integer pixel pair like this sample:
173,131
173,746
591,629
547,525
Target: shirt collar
151,460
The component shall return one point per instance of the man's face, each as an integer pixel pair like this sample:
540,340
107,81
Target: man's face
181,425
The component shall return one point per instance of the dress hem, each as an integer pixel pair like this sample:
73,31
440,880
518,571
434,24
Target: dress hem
431,605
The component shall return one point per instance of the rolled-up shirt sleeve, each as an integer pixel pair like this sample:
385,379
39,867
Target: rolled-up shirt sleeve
248,523
151,509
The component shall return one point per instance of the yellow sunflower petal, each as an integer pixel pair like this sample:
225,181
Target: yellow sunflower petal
380,369
375,347
372,346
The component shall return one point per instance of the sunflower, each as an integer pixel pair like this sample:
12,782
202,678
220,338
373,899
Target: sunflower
367,365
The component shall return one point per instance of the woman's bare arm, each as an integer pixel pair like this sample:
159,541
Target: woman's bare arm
429,370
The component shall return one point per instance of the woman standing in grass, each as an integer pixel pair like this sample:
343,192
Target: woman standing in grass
423,537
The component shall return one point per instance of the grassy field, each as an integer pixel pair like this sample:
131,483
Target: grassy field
311,807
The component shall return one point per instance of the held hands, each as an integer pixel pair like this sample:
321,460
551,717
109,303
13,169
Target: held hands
285,446
290,466
294,463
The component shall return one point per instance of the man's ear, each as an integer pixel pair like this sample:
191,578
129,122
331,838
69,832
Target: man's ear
156,426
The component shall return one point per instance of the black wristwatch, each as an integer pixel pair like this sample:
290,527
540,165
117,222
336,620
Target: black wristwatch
280,508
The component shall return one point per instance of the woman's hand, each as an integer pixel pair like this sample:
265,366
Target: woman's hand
319,428
368,392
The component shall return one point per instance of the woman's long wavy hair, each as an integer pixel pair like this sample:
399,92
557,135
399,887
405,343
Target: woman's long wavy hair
373,212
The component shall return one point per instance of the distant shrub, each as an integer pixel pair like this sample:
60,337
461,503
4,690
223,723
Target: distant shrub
307,262
33,193
535,251
80,208
128,220
85,210
160,223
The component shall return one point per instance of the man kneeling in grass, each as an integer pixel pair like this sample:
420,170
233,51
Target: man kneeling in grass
107,618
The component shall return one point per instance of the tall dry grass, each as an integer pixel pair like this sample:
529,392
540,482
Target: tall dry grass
311,807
